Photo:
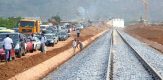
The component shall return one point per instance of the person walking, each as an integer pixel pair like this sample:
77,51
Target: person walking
78,32
74,45
43,41
31,37
80,45
7,45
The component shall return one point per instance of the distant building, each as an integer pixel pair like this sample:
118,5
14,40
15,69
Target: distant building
118,23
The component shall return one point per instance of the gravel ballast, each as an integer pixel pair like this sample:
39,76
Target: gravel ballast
152,56
125,64
90,64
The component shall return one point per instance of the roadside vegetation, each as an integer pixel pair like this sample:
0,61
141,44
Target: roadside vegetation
12,22
9,22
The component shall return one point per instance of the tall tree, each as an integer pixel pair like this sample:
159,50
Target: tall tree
9,22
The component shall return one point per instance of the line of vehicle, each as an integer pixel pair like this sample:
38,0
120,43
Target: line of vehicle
147,66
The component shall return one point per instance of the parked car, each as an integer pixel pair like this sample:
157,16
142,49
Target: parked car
16,29
2,28
44,27
56,38
7,31
19,41
69,32
36,43
38,36
63,36
50,39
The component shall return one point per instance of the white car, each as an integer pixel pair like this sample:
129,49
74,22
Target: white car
36,43
56,38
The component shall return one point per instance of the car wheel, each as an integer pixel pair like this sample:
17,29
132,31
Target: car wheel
19,54
23,54
13,58
31,51
23,51
53,45
57,42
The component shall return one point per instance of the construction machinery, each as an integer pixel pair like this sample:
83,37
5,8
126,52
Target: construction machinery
29,26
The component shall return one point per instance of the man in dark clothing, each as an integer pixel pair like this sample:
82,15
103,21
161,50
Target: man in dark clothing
78,32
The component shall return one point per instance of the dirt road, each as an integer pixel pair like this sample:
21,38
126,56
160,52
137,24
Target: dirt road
150,34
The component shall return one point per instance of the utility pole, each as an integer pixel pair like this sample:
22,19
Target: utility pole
145,3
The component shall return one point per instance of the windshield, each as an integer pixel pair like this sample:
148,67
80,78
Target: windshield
47,31
49,36
2,36
15,37
16,30
27,23
62,33
43,27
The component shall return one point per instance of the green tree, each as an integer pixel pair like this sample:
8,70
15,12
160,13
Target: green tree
9,22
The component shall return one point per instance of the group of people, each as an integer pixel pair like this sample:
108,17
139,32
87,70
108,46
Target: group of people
76,42
43,41
8,45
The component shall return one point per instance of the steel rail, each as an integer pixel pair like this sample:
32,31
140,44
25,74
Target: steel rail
152,71
109,75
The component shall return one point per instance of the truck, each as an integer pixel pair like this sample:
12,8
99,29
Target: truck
29,26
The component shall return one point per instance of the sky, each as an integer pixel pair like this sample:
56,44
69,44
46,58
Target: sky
85,9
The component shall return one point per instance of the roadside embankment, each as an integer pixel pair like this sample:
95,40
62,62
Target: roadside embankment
149,34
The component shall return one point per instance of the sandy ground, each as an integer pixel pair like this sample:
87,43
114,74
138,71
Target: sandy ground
19,65
150,34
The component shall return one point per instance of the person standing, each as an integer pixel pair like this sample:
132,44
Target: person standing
78,32
43,41
32,39
7,45
74,45
80,45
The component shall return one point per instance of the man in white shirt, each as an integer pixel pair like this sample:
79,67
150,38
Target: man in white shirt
43,41
31,37
74,45
7,44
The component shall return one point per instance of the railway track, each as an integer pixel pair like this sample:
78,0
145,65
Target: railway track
131,66
124,62
89,64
